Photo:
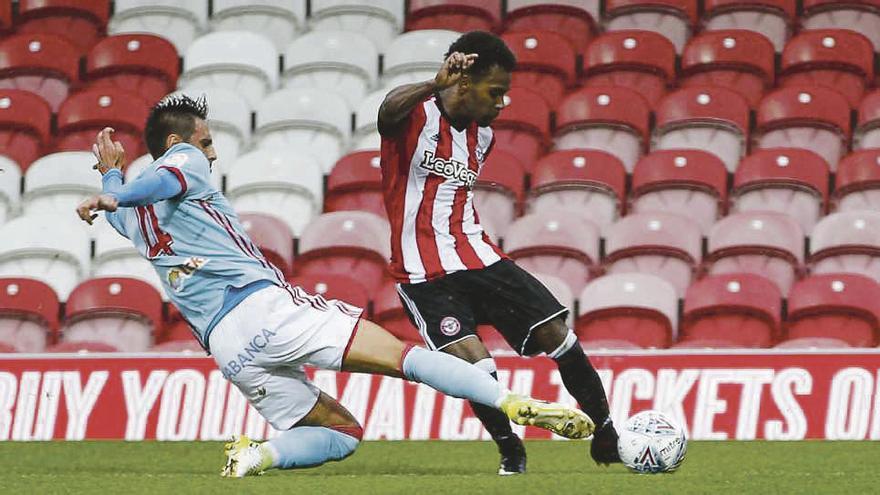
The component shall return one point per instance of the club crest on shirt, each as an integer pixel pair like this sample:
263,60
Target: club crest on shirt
177,159
177,275
450,169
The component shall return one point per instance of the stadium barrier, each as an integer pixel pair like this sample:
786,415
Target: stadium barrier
718,395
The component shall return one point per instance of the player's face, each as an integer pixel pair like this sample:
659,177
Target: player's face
486,97
201,139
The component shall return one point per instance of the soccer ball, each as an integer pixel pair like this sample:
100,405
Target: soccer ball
651,443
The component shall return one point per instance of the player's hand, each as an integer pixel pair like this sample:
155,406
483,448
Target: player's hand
453,68
110,154
102,202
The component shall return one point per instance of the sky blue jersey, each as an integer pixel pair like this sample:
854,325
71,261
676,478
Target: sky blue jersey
196,243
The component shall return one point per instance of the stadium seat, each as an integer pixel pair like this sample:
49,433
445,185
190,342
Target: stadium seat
867,134
379,20
861,16
25,120
609,119
693,344
5,17
355,184
85,113
771,18
279,20
690,183
43,64
116,256
31,245
573,19
29,313
244,62
340,287
460,15
229,117
743,309
641,61
57,183
347,63
83,347
673,19
178,21
390,314
812,343
592,182
415,56
305,119
813,118
858,181
545,61
523,127
847,242
272,236
366,131
139,63
10,189
609,345
663,244
498,192
634,307
764,243
839,306
353,243
274,180
709,119
81,23
837,58
736,59
562,243
788,180
122,312
188,346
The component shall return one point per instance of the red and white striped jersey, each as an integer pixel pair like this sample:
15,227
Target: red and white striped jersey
428,173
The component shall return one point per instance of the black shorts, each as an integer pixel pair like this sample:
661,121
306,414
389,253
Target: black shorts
448,310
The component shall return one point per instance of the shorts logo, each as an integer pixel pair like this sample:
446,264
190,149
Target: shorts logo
450,326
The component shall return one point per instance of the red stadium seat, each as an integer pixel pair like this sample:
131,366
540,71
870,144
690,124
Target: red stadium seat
592,182
770,244
690,183
352,243
339,287
523,127
499,192
82,23
639,60
813,118
138,63
771,18
709,119
608,344
867,133
837,58
562,243
390,314
545,61
635,307
847,242
739,60
574,20
25,120
190,345
40,63
663,244
812,343
29,312
122,312
5,17
81,347
272,236
84,114
861,16
355,183
743,309
841,306
788,180
858,181
673,19
614,120
456,15
692,344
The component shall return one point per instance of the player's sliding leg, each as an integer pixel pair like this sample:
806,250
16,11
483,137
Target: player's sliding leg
374,350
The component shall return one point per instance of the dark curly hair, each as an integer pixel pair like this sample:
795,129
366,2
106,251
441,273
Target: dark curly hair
491,51
174,114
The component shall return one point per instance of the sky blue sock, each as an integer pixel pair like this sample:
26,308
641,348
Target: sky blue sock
453,376
309,446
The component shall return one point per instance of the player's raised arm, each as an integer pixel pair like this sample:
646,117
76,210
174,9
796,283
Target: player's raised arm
402,99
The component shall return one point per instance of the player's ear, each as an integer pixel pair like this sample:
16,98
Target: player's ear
172,139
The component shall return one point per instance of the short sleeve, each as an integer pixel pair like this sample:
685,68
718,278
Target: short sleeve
191,168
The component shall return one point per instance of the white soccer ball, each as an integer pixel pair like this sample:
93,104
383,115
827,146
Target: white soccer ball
651,443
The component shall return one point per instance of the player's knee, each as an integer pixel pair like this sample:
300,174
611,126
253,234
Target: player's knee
565,347
553,334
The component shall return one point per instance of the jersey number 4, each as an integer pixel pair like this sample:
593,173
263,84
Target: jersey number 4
158,241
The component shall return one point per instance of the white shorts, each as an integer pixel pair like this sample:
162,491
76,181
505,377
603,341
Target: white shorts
263,343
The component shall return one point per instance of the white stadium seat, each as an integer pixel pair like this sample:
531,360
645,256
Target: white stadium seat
10,187
416,56
304,119
346,62
116,256
279,20
49,248
623,291
178,21
278,182
366,132
379,20
57,183
244,62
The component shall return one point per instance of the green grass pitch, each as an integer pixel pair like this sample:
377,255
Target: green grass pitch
416,468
